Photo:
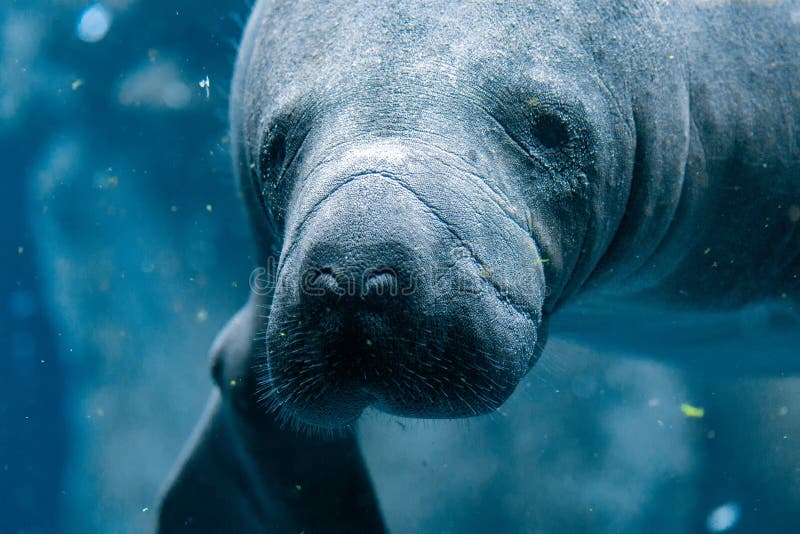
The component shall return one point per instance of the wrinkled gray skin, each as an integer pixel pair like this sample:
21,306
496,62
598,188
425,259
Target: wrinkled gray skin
438,178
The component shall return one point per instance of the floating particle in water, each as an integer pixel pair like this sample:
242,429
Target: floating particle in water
94,23
794,213
157,85
20,250
692,411
723,518
205,83
202,316
209,208
77,84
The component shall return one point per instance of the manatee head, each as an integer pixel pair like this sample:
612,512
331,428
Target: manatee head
430,192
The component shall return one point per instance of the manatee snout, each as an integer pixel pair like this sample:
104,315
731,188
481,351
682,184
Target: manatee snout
380,300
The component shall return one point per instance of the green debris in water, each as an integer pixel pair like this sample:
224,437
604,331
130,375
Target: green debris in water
692,411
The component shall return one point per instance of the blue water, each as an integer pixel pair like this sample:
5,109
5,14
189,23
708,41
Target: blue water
124,250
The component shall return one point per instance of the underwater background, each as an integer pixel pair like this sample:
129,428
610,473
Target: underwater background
124,249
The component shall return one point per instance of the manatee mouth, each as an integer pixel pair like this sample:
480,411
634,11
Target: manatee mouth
323,370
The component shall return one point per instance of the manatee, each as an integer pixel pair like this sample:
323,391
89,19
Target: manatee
436,180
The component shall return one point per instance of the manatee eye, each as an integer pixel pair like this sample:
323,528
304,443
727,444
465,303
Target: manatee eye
551,131
272,158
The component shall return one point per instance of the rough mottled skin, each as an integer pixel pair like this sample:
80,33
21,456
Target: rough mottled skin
504,160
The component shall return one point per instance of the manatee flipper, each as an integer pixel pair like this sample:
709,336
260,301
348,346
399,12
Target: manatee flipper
242,472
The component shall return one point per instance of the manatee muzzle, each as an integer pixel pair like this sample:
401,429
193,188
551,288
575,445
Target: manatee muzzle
377,302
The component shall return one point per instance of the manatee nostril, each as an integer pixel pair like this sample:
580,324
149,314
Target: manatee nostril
321,282
381,283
